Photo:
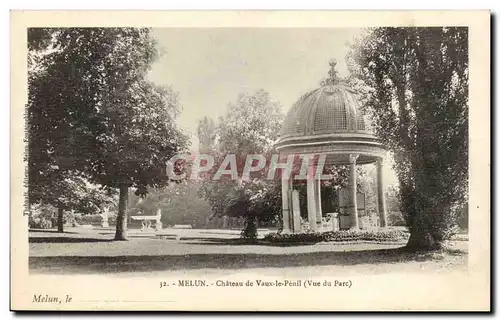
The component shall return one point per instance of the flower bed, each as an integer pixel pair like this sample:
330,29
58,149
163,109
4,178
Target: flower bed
338,236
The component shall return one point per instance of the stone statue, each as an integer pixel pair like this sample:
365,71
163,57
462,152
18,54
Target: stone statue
104,216
158,225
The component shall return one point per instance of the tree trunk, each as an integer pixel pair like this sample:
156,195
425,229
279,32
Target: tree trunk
121,219
250,229
60,220
423,241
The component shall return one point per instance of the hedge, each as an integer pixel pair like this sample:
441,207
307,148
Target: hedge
338,236
93,219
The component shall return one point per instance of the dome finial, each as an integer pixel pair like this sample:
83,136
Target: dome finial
333,77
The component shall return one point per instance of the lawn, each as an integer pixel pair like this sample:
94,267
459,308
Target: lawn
206,251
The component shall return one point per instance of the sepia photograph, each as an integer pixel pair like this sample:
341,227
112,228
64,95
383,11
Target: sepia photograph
310,165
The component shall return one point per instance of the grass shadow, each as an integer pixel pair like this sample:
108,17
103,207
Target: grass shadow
148,263
238,241
60,239
217,241
49,231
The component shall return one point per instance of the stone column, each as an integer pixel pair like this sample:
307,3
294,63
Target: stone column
382,210
296,212
285,198
353,202
311,199
319,214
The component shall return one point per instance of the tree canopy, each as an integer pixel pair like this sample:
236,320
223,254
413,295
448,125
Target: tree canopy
93,111
251,125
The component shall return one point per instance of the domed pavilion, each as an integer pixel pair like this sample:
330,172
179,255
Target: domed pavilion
327,122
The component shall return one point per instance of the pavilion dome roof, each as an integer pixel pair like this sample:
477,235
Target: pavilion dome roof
329,120
330,109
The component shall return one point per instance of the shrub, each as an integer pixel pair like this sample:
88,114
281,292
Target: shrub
338,236
250,230
396,218
40,223
42,216
94,219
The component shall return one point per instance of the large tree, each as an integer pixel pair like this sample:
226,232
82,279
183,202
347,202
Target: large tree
95,112
251,125
416,82
54,168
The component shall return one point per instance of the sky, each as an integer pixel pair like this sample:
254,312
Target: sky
209,67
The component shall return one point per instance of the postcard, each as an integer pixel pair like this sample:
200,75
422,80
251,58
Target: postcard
250,161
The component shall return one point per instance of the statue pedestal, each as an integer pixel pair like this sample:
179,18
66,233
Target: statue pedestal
344,222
